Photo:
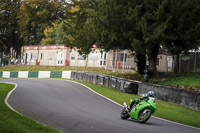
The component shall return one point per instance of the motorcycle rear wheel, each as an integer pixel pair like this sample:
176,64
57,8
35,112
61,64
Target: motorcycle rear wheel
144,115
125,114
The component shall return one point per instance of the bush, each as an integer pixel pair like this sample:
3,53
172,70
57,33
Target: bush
5,60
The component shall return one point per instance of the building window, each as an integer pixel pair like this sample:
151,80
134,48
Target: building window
73,57
41,56
93,56
104,56
158,62
33,56
51,56
81,57
122,58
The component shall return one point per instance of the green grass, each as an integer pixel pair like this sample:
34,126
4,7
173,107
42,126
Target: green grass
186,81
166,110
11,122
35,68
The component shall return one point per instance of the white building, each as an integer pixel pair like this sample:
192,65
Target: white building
59,55
54,55
110,60
95,59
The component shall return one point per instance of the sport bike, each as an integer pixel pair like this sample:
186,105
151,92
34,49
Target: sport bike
141,111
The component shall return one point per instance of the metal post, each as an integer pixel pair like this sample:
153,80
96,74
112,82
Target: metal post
195,61
180,62
111,63
0,59
123,62
104,60
77,62
166,62
38,59
115,60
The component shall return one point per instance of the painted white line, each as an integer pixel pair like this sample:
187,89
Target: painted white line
8,105
122,106
8,95
176,123
95,93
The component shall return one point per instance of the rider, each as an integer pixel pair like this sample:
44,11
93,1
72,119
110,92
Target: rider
136,101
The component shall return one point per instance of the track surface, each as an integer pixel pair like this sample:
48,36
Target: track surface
72,108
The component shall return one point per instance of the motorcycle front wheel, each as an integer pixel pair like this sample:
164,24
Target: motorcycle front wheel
144,115
125,114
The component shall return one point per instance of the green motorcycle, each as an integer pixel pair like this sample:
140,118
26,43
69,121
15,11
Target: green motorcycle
141,111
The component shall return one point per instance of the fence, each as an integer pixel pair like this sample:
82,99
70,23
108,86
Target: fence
190,62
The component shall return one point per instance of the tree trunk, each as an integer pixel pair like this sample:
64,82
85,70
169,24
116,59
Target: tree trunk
152,62
152,67
175,67
141,62
1,58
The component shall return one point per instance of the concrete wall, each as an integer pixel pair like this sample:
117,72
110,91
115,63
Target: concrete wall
179,96
182,97
128,86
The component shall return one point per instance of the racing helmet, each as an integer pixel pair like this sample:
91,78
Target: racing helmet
151,94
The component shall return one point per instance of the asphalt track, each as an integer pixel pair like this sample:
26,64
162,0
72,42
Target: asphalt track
72,108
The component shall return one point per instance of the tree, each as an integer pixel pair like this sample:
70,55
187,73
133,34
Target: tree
136,25
55,34
81,27
110,24
183,30
49,33
153,22
36,15
140,26
9,29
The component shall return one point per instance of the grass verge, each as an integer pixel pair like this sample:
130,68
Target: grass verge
166,110
11,122
129,75
183,81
